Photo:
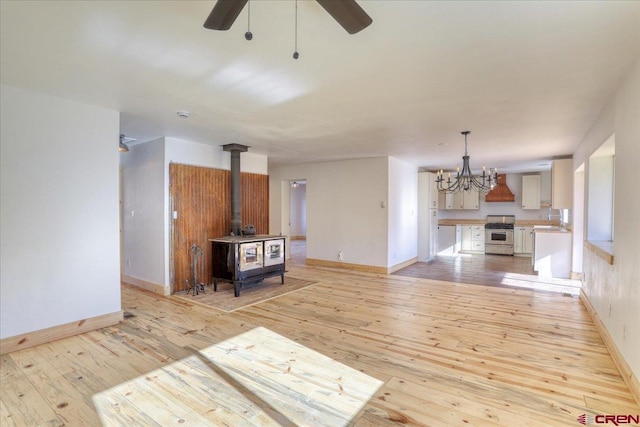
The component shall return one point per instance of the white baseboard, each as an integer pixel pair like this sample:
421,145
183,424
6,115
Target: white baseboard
143,284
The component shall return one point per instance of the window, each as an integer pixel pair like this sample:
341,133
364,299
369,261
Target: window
601,194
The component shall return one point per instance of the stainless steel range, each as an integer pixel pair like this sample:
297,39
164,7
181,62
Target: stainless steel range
498,234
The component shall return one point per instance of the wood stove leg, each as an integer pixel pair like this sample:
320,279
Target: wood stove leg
215,285
236,289
282,279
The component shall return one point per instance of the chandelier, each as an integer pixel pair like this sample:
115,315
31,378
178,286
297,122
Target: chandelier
465,180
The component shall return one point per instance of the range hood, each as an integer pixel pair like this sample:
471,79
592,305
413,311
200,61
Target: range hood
500,192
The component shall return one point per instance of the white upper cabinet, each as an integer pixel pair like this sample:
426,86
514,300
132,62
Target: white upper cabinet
433,192
461,200
562,184
531,192
453,201
470,200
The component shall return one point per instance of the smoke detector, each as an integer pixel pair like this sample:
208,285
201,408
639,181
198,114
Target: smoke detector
183,114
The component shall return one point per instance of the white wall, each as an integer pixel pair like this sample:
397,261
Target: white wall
614,290
59,240
145,184
344,210
403,212
211,156
514,182
143,196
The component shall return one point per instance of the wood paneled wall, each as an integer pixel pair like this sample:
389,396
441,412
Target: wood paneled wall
202,198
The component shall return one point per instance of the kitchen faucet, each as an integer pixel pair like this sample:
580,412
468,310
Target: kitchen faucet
560,215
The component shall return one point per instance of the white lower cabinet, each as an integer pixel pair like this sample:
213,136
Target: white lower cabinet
472,238
477,238
522,240
466,237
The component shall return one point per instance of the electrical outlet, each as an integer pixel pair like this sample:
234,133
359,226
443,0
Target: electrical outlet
340,256
128,263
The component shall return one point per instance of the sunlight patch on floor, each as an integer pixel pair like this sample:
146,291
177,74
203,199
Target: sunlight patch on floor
527,281
255,378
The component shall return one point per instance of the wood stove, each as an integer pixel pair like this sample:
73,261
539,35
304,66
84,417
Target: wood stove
244,257
242,260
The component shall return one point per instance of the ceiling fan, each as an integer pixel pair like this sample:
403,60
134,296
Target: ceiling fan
347,12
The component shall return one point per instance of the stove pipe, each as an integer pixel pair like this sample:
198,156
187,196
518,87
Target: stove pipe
236,186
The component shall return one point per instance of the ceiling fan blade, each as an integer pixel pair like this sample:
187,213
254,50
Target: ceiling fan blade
224,14
348,14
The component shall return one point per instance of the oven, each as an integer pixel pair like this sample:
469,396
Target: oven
498,237
273,252
250,256
498,234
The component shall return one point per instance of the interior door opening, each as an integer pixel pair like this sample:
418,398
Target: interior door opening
298,219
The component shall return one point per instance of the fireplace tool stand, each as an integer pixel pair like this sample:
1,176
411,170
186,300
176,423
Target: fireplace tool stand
196,287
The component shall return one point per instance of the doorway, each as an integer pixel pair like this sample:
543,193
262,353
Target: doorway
298,219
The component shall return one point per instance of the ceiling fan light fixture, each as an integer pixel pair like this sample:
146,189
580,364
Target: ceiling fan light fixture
248,35
347,13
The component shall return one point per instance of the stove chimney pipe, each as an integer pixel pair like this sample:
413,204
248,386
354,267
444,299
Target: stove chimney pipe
236,186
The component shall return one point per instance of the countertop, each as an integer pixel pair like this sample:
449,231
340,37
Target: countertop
550,229
519,223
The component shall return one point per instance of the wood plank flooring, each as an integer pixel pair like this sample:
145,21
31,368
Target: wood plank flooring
496,270
428,352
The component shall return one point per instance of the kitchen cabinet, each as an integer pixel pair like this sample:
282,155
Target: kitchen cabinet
453,201
433,234
434,194
552,252
462,200
446,240
477,238
522,240
470,200
531,192
562,184
466,237
472,238
427,216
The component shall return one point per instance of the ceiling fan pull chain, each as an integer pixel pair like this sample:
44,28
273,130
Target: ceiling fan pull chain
248,35
296,55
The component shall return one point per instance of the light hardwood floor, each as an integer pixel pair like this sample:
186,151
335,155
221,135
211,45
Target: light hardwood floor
495,270
362,349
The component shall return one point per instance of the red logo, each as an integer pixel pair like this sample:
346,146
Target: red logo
584,419
616,420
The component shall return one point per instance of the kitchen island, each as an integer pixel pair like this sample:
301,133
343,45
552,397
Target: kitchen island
552,251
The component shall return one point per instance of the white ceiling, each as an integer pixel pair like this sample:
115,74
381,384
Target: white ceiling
527,78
